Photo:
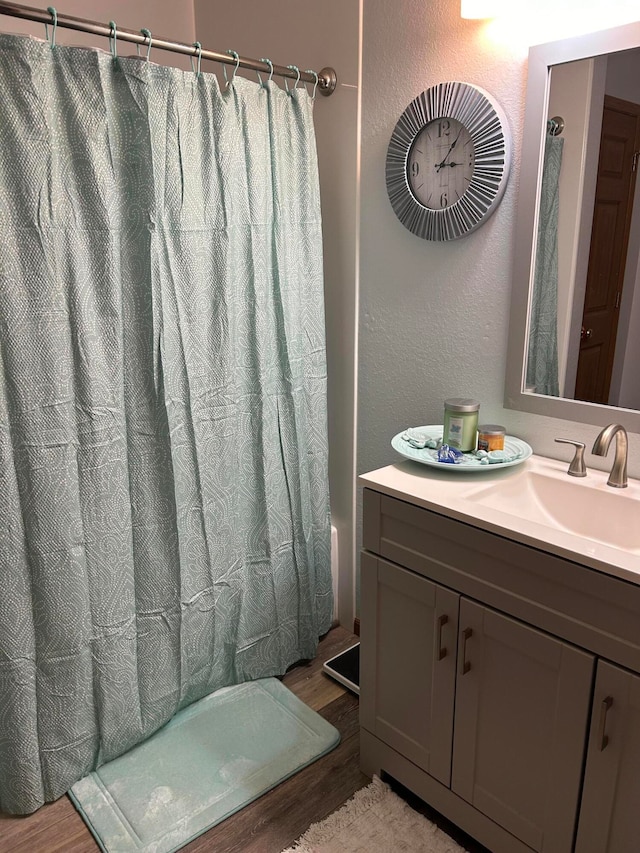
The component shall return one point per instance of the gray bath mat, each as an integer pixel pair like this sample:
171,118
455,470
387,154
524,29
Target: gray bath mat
208,762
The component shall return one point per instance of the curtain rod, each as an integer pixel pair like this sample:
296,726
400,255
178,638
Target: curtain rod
327,79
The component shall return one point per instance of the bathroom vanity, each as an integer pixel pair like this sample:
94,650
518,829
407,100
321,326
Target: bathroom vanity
500,653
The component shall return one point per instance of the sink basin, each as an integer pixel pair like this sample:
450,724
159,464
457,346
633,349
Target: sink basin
586,507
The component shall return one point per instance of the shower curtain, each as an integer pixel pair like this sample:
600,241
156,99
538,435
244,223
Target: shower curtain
542,357
164,512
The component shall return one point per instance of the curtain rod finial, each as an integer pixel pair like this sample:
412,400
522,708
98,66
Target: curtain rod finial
328,81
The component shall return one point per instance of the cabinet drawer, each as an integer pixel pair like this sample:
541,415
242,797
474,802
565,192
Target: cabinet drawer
586,607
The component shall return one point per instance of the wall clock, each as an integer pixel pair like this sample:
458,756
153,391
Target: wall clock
448,161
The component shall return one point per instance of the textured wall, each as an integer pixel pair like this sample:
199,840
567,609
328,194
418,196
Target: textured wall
434,317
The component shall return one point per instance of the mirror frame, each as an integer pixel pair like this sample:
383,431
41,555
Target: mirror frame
541,58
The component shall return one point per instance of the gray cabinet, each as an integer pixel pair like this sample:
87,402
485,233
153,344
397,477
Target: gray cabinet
609,817
484,684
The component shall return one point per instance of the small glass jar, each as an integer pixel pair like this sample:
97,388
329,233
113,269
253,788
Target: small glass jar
491,437
461,423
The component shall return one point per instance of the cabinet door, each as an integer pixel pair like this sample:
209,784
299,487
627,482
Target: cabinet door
408,636
522,703
610,809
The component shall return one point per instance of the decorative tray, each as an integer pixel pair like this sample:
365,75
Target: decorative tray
516,452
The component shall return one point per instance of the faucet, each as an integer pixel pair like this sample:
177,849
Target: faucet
618,475
577,467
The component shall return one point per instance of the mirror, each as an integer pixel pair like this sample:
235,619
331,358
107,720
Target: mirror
586,81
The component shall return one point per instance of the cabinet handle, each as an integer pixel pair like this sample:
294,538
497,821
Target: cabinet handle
607,702
465,666
442,650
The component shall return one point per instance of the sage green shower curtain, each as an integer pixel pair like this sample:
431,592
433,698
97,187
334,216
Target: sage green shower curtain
164,513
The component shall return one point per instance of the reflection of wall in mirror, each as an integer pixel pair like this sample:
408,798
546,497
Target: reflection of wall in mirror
577,94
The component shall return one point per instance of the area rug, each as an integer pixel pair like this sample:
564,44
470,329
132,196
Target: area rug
375,819
208,762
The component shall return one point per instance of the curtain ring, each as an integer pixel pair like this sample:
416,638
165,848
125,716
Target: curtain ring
198,48
147,34
235,70
315,85
286,81
270,64
52,11
113,39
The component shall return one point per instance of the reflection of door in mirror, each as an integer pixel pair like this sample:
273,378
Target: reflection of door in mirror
577,93
615,187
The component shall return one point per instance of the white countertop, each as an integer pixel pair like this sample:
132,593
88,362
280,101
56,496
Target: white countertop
455,494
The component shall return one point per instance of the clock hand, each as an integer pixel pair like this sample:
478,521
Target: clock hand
451,147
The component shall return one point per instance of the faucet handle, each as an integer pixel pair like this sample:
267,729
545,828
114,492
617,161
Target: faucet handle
577,467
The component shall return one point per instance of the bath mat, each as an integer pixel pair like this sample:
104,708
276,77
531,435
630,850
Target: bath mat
209,761
375,819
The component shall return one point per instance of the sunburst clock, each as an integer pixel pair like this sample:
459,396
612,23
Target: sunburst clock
448,161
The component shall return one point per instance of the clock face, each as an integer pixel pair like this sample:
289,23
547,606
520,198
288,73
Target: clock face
440,163
448,161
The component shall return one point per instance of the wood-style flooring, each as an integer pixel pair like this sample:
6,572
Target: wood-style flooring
268,825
